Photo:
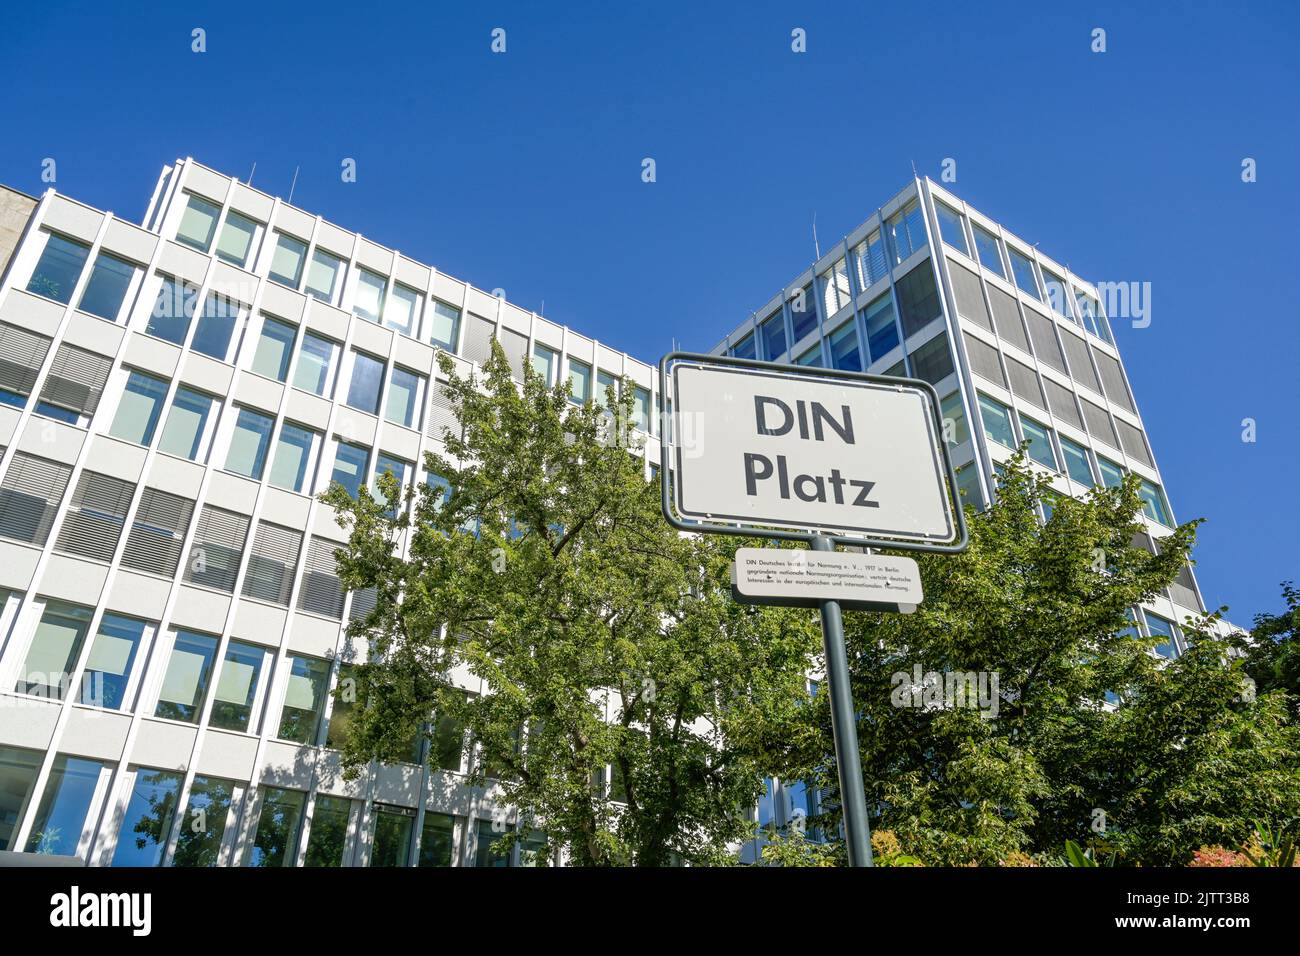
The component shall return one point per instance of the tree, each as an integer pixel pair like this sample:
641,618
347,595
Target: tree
1037,758
1273,653
612,658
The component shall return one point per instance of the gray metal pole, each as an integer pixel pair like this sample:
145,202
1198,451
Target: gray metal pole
844,726
417,828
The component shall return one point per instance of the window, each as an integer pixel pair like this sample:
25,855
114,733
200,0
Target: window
933,360
369,303
1057,295
188,427
484,854
30,495
403,309
22,353
96,516
882,330
274,348
295,457
772,332
286,263
448,748
278,825
1023,270
1093,320
1153,503
405,397
322,591
18,770
271,563
392,838
237,684
367,381
579,381
216,327
198,223
437,839
987,248
803,313
951,227
873,264
350,466
918,299
834,284
1159,627
61,816
147,824
997,421
1077,465
442,331
218,547
236,239
813,357
172,311
398,469
1112,475
1040,442
74,385
304,699
605,382
323,276
161,522
844,348
110,282
203,828
248,444
906,230
544,363
186,680
329,831
955,430
315,372
112,655
55,647
641,408
59,268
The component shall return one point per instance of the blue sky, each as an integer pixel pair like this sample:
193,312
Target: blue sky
522,170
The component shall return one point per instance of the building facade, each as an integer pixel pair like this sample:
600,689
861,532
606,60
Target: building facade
172,397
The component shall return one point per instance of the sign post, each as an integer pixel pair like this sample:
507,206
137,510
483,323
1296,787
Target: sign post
824,457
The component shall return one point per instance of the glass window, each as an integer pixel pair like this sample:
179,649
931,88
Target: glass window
1057,296
18,770
344,709
399,470
187,424
1023,270
641,408
278,825
813,357
1040,442
367,381
448,743
484,855
773,334
1159,627
61,816
873,264
580,380
286,263
405,393
172,311
198,223
186,680
203,827
803,313
932,360
274,348
442,331
147,823
544,363
248,444
139,409
315,365
392,839
844,348
216,327
112,655
369,303
997,421
745,348
882,330
350,466
323,276
955,430
987,247
1077,465
232,704
1153,503
951,228
834,285
604,382
236,239
110,280
403,309
59,268
329,831
54,650
1112,475
437,839
304,699
295,453
906,231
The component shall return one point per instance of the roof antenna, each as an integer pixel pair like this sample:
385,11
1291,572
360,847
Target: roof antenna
293,185
816,245
914,175
250,174
543,312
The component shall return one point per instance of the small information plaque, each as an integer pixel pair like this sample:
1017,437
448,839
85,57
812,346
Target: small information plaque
799,578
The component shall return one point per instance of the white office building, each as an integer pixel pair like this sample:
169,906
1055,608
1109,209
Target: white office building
172,396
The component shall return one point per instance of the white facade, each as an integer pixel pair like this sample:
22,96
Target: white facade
163,561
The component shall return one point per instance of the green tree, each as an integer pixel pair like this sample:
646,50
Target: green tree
612,657
1273,653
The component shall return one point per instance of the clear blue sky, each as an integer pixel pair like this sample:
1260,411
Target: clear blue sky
522,170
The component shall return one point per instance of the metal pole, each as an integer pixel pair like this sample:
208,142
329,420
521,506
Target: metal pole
844,726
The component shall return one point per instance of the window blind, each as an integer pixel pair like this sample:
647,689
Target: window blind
970,300
159,528
22,353
984,359
1061,400
76,379
96,516
322,591
1024,383
1112,377
1045,346
1007,318
477,346
441,417
1099,425
30,496
217,548
1076,350
271,563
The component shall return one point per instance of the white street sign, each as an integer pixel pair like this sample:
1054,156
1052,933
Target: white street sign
787,450
806,578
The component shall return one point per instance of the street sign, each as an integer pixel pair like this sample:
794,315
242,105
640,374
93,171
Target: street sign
796,450
860,582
